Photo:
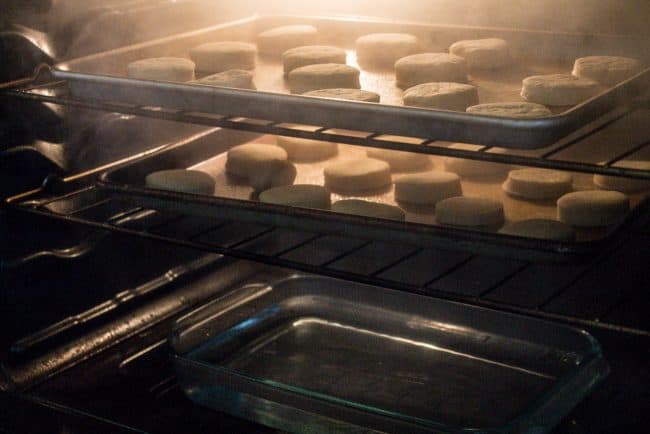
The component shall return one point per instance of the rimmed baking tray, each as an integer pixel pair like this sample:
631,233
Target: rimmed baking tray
310,354
100,77
233,199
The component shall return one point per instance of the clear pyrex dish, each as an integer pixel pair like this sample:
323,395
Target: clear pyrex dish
311,354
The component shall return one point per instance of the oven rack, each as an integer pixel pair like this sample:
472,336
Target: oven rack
583,293
42,88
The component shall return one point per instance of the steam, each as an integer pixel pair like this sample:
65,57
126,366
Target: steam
85,26
629,17
81,27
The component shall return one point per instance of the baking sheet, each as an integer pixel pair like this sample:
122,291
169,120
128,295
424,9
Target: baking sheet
233,199
503,85
534,53
312,173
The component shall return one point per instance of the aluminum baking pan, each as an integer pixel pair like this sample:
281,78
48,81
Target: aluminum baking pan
234,200
321,355
100,78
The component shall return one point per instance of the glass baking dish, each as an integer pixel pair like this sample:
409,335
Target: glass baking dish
312,354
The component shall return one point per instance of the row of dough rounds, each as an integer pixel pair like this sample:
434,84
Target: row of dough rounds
433,80
269,169
430,80
438,80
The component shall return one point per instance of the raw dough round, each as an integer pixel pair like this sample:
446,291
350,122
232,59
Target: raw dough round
519,110
592,208
401,161
427,188
368,209
279,39
490,53
625,185
186,181
344,93
273,173
538,184
558,89
301,195
540,228
323,76
243,160
237,78
307,150
311,55
469,211
429,67
357,175
444,96
222,56
162,68
607,70
385,48
473,168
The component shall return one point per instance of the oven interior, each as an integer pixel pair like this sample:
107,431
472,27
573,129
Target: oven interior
94,279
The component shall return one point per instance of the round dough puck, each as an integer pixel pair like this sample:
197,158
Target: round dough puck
607,70
518,110
162,68
242,160
346,94
301,195
222,56
401,161
538,184
490,53
427,188
307,150
443,96
186,181
357,175
368,209
473,168
558,89
237,78
469,211
277,40
540,228
429,67
383,49
311,55
323,76
625,185
592,208
273,173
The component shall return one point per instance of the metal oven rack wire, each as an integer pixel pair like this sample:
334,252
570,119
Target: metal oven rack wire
45,87
575,292
552,290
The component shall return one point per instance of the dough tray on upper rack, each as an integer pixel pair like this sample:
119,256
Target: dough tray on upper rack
99,81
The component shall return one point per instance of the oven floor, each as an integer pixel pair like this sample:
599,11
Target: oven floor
140,392
130,387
